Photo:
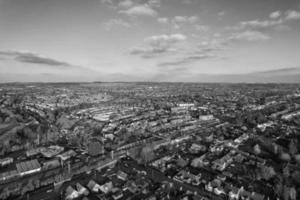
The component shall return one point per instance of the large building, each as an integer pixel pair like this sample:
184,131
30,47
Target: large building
28,167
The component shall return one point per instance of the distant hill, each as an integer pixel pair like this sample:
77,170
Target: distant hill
286,75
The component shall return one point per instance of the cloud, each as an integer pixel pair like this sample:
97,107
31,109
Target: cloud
212,45
29,57
221,13
173,38
261,23
178,21
140,10
193,19
154,3
126,4
250,36
282,28
183,19
163,20
186,59
134,7
116,22
204,50
158,45
119,4
276,18
109,3
161,45
150,52
292,15
256,24
275,14
186,2
202,28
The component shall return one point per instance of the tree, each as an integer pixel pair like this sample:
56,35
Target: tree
293,147
147,154
267,172
257,149
293,193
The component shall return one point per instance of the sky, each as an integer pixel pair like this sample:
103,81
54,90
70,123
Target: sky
145,40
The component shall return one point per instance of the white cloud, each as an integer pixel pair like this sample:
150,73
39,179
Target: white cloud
154,3
180,19
261,23
186,1
158,45
193,19
157,40
183,19
163,20
250,36
222,13
126,4
283,28
134,7
175,26
276,18
217,35
186,59
292,15
140,10
275,14
212,45
116,22
201,28
107,1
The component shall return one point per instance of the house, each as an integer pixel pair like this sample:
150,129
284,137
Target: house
219,164
51,164
93,186
66,155
188,177
234,193
181,162
122,175
131,186
196,148
107,187
81,190
206,117
51,151
6,161
244,194
209,187
151,198
142,182
33,152
257,196
71,193
117,195
8,175
219,190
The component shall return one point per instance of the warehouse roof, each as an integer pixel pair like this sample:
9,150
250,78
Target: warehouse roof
28,165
